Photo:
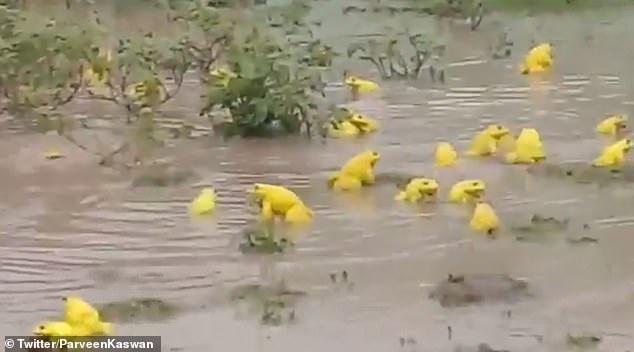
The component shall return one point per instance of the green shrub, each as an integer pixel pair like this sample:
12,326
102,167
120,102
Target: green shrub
41,60
270,93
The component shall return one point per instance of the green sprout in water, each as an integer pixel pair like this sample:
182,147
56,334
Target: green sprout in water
262,239
275,303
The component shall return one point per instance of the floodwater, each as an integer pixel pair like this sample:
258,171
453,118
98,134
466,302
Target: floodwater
68,226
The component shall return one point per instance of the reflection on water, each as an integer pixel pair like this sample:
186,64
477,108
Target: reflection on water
87,231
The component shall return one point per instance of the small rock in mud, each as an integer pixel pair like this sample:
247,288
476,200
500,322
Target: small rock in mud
483,347
461,290
138,309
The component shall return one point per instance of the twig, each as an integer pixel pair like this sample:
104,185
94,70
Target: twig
106,159
77,144
76,86
179,77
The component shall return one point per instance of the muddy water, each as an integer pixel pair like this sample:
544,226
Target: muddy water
68,226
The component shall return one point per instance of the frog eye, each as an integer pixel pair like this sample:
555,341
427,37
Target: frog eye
475,184
425,183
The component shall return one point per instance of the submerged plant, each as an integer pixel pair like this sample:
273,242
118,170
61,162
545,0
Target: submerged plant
471,10
262,239
273,303
139,309
389,58
502,47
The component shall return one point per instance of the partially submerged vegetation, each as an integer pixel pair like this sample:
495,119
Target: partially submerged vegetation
387,54
263,239
260,66
471,10
139,309
552,5
462,290
275,304
265,83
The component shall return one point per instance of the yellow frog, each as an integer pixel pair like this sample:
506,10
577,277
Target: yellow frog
364,123
356,172
360,85
446,154
485,142
612,125
539,59
353,125
484,218
614,155
418,189
528,148
280,201
467,191
83,316
342,129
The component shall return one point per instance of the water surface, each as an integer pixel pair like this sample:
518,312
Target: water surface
68,226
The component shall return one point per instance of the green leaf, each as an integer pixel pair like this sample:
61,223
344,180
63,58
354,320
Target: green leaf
261,111
238,87
247,68
215,96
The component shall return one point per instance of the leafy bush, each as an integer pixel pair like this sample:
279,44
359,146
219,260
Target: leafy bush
47,63
269,92
41,61
139,73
